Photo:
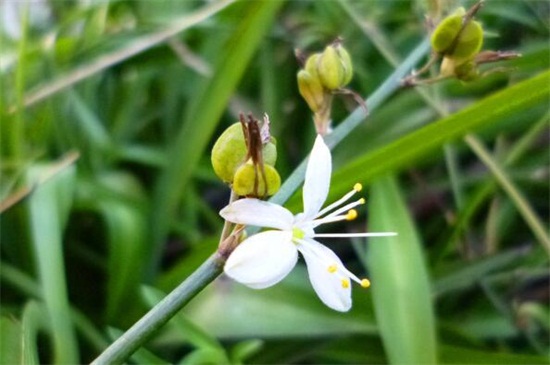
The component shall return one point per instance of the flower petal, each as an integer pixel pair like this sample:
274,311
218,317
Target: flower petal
317,178
262,260
327,284
258,213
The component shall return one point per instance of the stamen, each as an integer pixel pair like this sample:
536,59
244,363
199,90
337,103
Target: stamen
365,283
332,269
344,235
345,283
356,188
332,216
352,214
328,219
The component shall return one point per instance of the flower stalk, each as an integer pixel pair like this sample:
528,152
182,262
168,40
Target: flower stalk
123,347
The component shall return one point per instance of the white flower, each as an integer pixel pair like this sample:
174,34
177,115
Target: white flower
266,258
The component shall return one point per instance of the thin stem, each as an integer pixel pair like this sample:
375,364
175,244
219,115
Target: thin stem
17,130
513,192
161,313
138,46
227,225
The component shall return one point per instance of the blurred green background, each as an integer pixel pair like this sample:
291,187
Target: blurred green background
110,108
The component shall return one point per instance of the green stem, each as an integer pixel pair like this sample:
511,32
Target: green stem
18,128
513,192
161,313
227,225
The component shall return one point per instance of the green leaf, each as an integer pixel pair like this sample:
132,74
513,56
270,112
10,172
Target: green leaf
470,273
401,286
11,346
417,145
34,320
189,330
243,350
129,50
288,309
461,355
48,212
117,199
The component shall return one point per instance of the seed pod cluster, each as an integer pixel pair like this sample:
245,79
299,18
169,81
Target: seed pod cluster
458,38
324,73
246,162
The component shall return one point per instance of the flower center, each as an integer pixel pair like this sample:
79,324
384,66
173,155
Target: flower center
297,234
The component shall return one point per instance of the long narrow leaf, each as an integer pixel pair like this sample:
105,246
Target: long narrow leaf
48,213
417,145
129,50
401,287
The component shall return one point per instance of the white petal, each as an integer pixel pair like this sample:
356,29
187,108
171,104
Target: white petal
258,213
327,285
262,260
317,178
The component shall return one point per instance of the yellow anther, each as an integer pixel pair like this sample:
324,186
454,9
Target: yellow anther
365,283
332,269
351,215
345,283
357,187
362,201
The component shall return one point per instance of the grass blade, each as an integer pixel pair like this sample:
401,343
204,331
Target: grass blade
139,45
522,205
401,287
416,145
48,212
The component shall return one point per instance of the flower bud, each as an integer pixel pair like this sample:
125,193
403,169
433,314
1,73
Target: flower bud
334,67
250,181
229,153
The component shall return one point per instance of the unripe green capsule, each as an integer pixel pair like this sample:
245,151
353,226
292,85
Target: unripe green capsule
229,152
246,178
446,31
469,42
334,67
468,71
311,90
448,39
311,64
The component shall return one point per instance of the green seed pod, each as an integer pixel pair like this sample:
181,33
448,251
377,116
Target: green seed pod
452,40
229,152
246,179
469,42
311,90
447,68
446,31
334,67
468,71
311,64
